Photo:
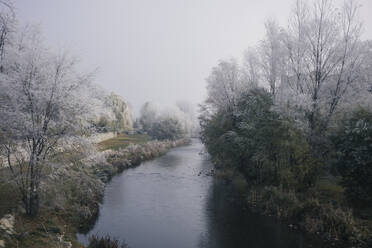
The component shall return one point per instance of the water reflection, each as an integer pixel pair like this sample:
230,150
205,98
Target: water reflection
230,224
168,203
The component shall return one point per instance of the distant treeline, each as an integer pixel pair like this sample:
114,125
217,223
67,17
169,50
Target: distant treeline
170,124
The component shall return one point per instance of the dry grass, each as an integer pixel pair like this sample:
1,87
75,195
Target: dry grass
44,231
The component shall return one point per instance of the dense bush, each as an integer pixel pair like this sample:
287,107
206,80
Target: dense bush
353,143
166,129
333,223
262,145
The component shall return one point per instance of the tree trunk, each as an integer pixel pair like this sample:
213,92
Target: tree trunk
32,203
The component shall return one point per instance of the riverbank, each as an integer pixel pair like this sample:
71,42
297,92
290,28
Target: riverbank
173,201
321,211
72,188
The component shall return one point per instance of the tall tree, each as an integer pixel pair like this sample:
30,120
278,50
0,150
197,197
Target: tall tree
40,104
325,54
271,50
251,68
7,27
224,85
148,115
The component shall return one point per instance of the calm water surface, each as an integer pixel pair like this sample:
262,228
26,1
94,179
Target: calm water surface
171,202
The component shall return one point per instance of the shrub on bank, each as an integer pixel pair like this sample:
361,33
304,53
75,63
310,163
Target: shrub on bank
135,154
354,156
331,222
105,242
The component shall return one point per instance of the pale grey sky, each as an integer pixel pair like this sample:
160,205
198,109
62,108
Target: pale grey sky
157,50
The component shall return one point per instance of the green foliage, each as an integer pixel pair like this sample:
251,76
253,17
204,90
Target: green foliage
330,190
278,202
239,183
353,143
333,223
262,145
300,170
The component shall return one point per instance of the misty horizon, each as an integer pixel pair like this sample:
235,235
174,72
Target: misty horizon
185,123
160,52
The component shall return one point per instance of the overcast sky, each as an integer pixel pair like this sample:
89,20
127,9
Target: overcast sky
157,50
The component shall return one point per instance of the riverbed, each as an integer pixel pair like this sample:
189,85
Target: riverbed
174,202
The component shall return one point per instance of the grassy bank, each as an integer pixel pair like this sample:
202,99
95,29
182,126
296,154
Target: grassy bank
122,141
72,188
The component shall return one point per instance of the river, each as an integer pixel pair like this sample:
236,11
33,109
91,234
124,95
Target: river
173,202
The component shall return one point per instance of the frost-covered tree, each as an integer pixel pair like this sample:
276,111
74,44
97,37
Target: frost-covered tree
293,41
120,110
7,27
325,55
251,68
39,104
271,59
224,85
107,111
317,69
187,116
167,128
169,123
148,115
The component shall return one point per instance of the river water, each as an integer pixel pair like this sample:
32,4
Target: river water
172,202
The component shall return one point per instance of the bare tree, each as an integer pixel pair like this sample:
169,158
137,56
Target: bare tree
7,26
271,51
39,106
224,85
324,50
295,46
251,68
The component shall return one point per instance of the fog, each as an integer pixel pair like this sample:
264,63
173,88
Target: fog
283,129
158,51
